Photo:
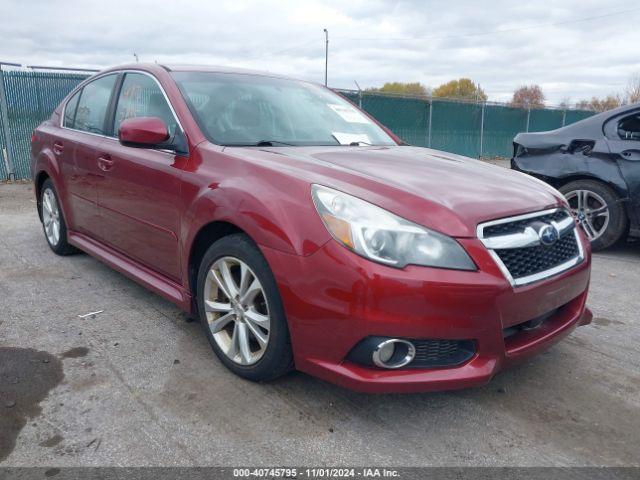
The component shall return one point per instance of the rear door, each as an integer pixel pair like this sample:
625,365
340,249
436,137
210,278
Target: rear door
83,134
139,196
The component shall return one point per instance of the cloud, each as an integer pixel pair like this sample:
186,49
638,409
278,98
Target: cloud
499,44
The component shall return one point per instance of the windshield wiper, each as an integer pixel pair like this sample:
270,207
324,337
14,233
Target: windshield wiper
272,143
261,143
351,144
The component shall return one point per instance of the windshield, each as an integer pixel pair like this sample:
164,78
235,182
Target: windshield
242,109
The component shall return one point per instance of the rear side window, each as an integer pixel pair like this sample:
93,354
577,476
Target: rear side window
629,127
70,110
93,104
140,96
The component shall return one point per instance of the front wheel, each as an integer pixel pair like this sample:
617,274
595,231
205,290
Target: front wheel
598,210
241,310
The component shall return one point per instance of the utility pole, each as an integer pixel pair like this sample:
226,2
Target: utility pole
135,55
326,55
359,94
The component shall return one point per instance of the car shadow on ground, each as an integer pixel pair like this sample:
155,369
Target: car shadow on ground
629,249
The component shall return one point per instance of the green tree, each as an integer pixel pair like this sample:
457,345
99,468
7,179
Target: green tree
463,88
415,88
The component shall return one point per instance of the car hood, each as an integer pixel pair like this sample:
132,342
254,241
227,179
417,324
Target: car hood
443,191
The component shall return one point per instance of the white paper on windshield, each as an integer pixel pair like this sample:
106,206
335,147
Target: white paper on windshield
348,113
349,138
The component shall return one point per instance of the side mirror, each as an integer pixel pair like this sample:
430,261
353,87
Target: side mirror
145,132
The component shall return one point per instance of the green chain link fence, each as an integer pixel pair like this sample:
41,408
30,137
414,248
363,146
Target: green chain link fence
473,129
465,128
27,98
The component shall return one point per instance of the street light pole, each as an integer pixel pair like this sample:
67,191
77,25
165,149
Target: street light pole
326,55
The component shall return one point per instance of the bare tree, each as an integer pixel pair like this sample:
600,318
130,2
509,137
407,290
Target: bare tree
600,104
565,103
632,92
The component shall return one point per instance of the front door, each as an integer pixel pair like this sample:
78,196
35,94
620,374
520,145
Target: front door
139,196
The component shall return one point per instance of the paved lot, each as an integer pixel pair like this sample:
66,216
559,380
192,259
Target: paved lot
138,384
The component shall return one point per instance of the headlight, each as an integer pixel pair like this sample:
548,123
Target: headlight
384,237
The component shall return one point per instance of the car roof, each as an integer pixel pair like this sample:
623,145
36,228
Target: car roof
216,69
150,67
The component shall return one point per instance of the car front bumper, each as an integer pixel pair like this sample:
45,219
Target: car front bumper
334,298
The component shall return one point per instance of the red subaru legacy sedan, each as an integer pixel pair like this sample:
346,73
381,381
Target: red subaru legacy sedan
304,234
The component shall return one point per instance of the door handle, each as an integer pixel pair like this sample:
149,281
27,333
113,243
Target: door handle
58,148
105,163
631,154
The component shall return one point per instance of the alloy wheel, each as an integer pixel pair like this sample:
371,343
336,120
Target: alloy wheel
236,310
591,211
51,217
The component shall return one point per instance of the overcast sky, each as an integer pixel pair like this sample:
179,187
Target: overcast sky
558,44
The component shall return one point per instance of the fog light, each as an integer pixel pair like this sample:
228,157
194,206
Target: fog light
385,352
393,353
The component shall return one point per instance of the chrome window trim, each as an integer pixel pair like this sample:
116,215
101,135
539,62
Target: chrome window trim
524,240
117,72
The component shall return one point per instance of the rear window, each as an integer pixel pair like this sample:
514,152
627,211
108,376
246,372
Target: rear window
93,104
629,127
70,111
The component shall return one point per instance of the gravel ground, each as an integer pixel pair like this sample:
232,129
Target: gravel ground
138,385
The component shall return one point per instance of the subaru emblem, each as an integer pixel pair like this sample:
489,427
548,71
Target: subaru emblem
548,235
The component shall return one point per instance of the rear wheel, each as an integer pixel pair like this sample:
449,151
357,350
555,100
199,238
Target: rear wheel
241,310
598,210
53,223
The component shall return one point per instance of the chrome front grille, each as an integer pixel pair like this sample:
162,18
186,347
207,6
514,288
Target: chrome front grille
534,246
516,226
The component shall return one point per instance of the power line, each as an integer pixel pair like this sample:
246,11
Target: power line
500,30
462,35
285,50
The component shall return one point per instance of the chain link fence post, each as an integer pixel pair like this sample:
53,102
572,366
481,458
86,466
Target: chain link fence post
430,118
4,122
482,129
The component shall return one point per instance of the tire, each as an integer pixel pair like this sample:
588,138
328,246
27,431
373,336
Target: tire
224,320
610,224
53,222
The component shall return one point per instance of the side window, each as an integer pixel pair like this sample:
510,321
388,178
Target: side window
93,104
140,96
629,127
70,110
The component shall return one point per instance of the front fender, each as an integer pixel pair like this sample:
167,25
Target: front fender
274,211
